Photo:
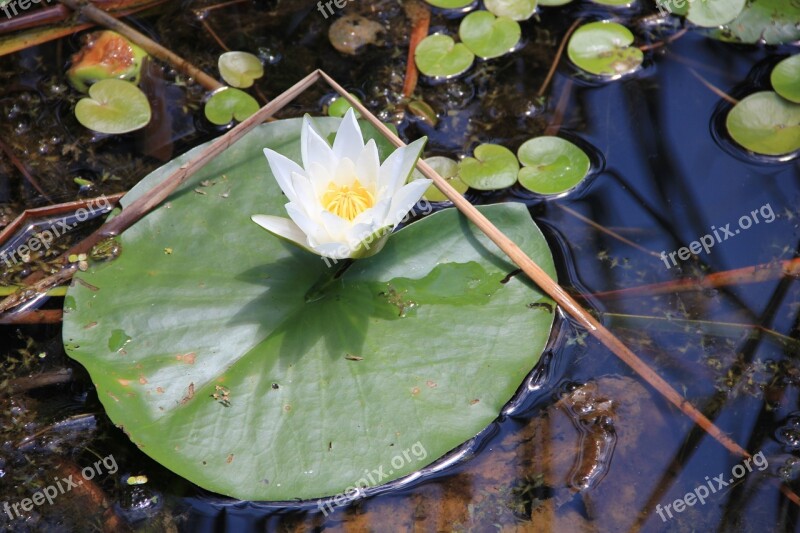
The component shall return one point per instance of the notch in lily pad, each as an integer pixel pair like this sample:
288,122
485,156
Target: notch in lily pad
785,78
766,124
488,36
713,13
228,104
493,167
604,49
551,165
439,56
446,168
513,9
240,69
114,107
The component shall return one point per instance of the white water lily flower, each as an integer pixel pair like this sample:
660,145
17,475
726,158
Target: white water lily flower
343,203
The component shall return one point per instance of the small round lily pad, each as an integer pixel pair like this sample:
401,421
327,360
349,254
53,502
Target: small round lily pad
552,165
450,4
439,56
513,9
785,78
338,106
713,13
240,69
765,123
603,49
228,104
493,167
488,36
114,106
446,168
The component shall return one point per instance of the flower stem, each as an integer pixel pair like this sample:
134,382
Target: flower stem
319,289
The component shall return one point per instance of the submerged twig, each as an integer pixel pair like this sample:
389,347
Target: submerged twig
6,149
150,46
420,16
35,316
713,88
750,274
556,60
45,379
607,231
705,327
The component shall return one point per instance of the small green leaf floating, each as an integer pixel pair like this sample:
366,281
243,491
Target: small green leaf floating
513,9
785,78
765,123
240,69
439,56
493,167
551,3
603,49
446,168
713,13
450,4
488,36
338,107
228,104
614,3
551,165
114,107
309,395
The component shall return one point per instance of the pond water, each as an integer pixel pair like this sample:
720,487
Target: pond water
586,445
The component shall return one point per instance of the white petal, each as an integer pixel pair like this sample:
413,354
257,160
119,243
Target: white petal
320,177
404,200
307,197
283,228
336,227
349,142
345,173
367,166
374,216
314,148
395,170
334,250
313,230
282,168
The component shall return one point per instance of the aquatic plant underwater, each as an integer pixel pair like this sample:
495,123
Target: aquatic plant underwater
396,326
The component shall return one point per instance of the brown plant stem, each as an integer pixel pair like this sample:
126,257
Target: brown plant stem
750,274
420,16
605,230
559,53
36,316
46,379
14,43
6,149
151,47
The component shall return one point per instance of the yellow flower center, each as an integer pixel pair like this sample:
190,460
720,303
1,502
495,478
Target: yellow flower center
347,201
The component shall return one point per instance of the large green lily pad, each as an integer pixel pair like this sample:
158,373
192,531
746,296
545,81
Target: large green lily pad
413,350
